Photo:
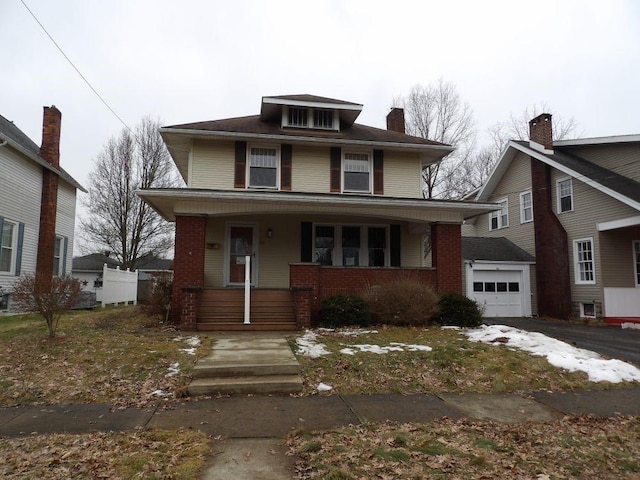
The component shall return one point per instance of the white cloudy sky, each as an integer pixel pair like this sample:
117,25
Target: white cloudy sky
193,60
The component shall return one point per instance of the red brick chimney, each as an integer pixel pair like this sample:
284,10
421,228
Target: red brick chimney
50,152
541,131
395,120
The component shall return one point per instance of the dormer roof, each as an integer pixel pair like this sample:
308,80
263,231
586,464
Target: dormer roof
271,109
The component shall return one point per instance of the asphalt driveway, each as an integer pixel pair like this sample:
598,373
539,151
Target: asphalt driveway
609,341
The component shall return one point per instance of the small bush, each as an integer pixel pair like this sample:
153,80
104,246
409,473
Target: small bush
158,304
341,310
458,310
402,302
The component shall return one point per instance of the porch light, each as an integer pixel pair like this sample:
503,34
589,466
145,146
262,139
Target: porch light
269,232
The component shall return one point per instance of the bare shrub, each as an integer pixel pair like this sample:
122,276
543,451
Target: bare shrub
401,302
50,298
158,304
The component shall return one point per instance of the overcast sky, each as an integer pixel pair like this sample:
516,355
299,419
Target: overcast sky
186,61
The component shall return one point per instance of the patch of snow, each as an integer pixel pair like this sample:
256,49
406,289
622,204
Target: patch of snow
449,327
355,332
323,387
630,325
189,351
174,369
309,346
159,393
377,349
191,341
558,353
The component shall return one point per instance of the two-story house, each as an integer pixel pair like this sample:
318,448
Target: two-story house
575,206
37,205
305,203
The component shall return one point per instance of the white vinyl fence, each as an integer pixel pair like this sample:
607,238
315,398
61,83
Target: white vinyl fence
119,286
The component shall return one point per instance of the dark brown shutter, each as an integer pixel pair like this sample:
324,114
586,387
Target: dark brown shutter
336,162
285,167
306,242
240,171
395,239
378,172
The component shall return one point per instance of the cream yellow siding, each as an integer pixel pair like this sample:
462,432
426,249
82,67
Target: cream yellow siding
212,165
616,257
310,169
402,175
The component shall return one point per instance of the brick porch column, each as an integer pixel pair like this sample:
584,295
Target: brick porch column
446,245
188,264
304,282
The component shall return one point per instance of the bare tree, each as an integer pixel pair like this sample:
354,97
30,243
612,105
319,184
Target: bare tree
436,112
517,127
118,220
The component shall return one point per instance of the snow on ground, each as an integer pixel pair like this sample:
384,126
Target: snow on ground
191,341
323,387
174,369
559,354
189,351
309,346
630,325
392,347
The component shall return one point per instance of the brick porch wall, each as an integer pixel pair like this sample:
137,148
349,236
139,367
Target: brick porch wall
446,245
188,265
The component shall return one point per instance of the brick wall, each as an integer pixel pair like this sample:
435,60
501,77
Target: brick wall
446,245
552,252
188,264
540,130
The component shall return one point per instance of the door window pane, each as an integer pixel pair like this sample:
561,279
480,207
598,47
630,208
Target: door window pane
489,287
514,287
477,286
501,287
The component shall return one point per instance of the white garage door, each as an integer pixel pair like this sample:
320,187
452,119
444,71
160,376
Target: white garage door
499,291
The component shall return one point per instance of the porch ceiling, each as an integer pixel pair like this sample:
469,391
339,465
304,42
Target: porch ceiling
175,202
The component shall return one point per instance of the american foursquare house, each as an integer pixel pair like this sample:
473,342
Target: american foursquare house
299,203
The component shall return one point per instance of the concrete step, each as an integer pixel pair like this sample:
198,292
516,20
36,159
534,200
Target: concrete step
205,369
243,385
235,326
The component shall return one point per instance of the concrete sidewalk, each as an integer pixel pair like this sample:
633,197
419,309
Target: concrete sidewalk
252,427
276,416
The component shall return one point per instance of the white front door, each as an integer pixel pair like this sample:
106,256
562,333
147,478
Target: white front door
241,242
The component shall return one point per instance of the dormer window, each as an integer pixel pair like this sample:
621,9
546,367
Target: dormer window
304,117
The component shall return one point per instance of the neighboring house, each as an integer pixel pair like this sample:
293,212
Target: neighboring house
37,205
89,268
318,204
575,206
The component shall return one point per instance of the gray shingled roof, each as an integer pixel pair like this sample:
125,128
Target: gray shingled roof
498,249
93,262
253,125
305,97
605,177
17,139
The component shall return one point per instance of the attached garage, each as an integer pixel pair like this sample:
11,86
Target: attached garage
497,276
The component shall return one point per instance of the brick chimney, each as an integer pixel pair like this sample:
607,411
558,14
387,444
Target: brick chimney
395,120
541,132
50,152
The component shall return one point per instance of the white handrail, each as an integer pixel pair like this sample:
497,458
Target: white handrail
247,289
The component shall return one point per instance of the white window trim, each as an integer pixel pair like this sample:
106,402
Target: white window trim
248,168
14,248
558,198
369,154
310,117
583,315
522,216
635,245
61,257
364,242
576,265
498,214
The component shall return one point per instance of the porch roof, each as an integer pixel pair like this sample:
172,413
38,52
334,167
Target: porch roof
170,203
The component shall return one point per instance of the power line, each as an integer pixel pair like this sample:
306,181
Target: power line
76,68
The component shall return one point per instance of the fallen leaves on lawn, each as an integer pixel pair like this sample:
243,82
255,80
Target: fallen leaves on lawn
575,447
176,454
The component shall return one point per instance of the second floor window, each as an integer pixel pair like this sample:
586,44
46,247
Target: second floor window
357,172
263,167
526,207
565,195
500,218
58,267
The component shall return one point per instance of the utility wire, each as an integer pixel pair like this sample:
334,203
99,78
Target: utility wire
76,68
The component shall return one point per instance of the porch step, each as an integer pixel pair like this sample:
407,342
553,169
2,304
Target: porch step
243,385
223,309
238,326
217,370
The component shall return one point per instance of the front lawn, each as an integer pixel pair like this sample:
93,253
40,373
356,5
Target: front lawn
583,447
454,364
113,356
